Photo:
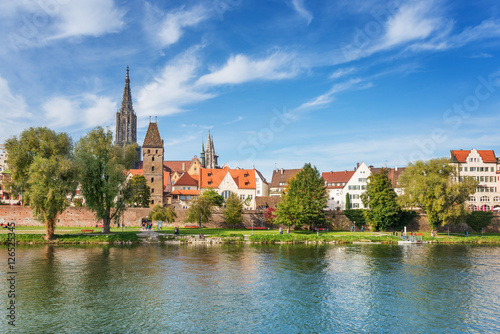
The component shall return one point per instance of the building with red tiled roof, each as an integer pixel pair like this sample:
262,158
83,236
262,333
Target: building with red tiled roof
280,179
245,183
482,166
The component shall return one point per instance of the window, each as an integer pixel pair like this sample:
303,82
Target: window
242,197
363,187
484,199
496,199
361,179
226,194
152,201
473,169
152,158
472,199
481,178
152,179
152,190
492,169
250,196
153,168
209,174
156,151
492,179
465,169
149,151
209,182
481,169
183,188
282,183
355,205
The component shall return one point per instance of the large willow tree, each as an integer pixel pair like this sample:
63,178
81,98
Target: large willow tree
101,175
432,186
43,172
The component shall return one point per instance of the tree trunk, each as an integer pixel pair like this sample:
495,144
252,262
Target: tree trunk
50,226
105,226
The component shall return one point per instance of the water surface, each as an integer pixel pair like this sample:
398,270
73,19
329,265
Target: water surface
256,288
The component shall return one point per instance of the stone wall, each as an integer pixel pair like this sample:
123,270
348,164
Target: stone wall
23,216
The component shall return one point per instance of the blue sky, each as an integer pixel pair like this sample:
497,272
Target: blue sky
279,82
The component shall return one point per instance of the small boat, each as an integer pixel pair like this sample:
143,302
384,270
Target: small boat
415,238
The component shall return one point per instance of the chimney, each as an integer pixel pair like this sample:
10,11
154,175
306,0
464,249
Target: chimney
281,171
183,166
357,165
396,168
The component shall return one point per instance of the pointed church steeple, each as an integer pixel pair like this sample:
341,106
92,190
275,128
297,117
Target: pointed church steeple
202,154
210,156
126,120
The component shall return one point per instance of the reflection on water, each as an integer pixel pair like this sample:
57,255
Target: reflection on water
257,288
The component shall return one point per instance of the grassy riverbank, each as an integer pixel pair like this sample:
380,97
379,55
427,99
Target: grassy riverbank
74,235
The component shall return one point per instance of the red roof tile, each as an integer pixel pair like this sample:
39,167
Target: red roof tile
187,180
185,192
177,166
282,175
338,177
488,156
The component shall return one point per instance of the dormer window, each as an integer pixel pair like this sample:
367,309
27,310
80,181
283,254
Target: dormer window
209,182
209,174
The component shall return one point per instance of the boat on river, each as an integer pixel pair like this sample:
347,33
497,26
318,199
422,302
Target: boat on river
415,238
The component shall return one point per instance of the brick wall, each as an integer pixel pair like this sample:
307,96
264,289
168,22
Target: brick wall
72,216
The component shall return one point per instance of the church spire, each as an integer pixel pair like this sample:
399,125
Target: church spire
126,120
127,96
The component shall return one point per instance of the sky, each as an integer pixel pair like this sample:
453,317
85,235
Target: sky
278,83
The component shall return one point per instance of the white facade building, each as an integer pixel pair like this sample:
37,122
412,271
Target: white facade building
482,166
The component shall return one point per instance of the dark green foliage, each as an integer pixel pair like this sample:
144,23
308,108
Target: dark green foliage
357,216
431,185
233,213
43,172
139,192
347,201
477,220
304,200
381,199
101,175
407,216
160,213
213,197
73,238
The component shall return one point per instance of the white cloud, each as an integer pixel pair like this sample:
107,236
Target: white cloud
87,17
173,88
342,72
299,7
413,21
11,106
240,68
329,96
89,110
172,27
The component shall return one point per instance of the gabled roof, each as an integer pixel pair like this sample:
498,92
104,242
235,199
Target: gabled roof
267,201
488,156
211,178
153,138
176,166
135,171
244,178
282,175
166,179
337,177
187,180
261,176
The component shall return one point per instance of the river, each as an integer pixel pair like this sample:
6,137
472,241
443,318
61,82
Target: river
254,288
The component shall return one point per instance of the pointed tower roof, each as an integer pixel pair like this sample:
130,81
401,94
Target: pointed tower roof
152,139
127,97
202,148
209,142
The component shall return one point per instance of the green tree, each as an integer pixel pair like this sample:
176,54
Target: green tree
214,197
43,171
127,155
356,216
160,213
381,200
140,192
101,175
477,220
304,200
233,213
432,186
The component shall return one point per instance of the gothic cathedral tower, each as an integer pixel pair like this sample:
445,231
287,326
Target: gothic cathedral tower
208,156
126,120
152,168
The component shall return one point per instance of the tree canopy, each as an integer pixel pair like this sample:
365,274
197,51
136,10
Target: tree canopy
432,186
101,175
202,206
233,212
43,171
477,220
160,213
139,191
304,200
381,200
